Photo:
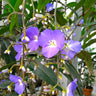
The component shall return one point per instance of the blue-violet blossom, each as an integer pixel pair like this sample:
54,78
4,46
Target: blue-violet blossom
51,42
71,88
19,85
71,47
19,49
49,7
32,33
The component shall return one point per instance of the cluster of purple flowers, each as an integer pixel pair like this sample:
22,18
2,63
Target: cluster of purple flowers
51,41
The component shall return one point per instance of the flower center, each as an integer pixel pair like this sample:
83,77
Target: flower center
52,43
35,38
20,82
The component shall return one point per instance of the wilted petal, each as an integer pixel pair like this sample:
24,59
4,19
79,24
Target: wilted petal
33,45
19,87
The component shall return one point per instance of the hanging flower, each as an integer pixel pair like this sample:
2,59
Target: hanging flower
71,47
19,85
49,7
51,42
71,88
19,49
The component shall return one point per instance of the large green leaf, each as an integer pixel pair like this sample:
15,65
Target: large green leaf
60,19
43,72
42,4
87,57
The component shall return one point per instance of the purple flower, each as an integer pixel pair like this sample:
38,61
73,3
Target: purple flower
81,21
32,33
51,42
19,49
49,7
19,85
71,47
71,88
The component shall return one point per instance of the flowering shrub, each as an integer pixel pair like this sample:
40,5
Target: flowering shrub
38,47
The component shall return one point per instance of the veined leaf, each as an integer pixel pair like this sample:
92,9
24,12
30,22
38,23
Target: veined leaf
43,72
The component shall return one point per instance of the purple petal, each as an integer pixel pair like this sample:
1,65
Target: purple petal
59,37
45,37
49,7
49,51
19,87
71,88
14,78
48,35
68,53
18,56
18,48
30,32
75,45
33,45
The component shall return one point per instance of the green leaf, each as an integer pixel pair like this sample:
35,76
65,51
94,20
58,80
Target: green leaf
14,18
4,29
42,4
89,37
43,72
5,84
87,57
72,4
60,19
89,43
8,58
7,66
